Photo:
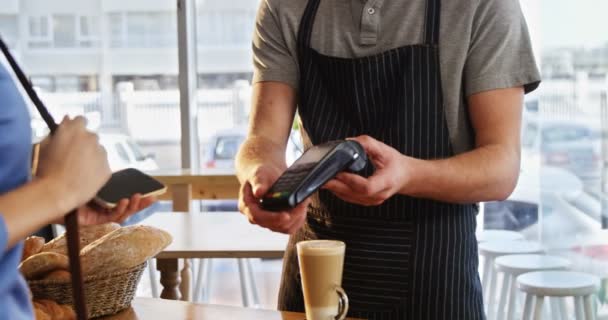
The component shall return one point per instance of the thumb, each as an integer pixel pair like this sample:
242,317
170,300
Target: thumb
259,185
372,147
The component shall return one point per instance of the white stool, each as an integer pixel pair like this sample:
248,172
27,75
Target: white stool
490,251
514,265
538,285
498,235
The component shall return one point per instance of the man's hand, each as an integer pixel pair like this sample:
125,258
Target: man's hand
390,177
254,188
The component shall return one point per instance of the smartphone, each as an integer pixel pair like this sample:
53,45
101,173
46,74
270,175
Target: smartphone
312,170
124,184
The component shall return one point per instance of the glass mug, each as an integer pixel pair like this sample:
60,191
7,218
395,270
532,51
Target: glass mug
321,264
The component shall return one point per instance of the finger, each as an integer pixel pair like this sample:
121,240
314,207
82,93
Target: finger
146,202
358,183
120,208
275,221
248,196
260,185
299,216
372,147
357,199
80,121
337,186
134,203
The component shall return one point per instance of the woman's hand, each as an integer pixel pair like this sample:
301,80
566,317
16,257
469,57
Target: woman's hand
390,177
73,163
94,214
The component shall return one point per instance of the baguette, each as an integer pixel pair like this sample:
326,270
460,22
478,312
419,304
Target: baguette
123,248
31,246
87,234
42,263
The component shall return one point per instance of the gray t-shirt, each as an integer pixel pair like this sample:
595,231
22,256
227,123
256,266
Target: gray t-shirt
484,44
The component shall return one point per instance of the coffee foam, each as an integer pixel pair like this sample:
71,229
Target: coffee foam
323,313
321,247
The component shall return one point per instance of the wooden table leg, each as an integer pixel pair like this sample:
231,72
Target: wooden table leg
186,275
169,278
182,197
182,202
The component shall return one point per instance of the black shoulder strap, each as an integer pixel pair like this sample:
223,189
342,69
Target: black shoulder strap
27,86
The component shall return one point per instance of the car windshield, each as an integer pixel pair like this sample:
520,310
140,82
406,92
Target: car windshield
555,134
139,156
226,147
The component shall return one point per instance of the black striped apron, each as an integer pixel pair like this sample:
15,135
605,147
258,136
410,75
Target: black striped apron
408,258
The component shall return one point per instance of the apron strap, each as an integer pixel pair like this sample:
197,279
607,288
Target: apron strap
431,28
306,24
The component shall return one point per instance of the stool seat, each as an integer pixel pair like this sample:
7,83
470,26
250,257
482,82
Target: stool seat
501,248
558,283
517,264
498,235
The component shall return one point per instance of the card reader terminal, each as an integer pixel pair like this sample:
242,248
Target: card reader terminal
312,170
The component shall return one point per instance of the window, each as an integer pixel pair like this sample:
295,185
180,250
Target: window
65,83
563,174
64,31
231,26
39,32
9,29
142,29
88,31
122,152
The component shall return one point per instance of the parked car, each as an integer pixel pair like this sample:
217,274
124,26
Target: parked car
220,152
124,153
572,146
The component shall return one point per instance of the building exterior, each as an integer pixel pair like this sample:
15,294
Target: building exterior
91,45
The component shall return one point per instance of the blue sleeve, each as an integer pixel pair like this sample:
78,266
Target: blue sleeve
3,235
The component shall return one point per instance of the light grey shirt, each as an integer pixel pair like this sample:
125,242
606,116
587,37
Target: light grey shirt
484,44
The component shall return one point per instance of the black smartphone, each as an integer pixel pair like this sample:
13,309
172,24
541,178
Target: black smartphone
124,184
312,170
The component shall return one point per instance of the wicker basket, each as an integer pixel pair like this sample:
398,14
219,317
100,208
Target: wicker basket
105,294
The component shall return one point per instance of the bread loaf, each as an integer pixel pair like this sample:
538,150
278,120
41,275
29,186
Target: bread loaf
88,234
42,263
40,314
58,275
31,246
123,248
53,310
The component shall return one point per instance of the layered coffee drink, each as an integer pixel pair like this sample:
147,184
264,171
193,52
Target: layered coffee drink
321,264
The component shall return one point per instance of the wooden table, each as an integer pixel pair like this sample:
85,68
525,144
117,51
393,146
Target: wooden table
186,185
152,309
210,235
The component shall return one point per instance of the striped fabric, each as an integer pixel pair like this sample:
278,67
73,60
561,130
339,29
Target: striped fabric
408,258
